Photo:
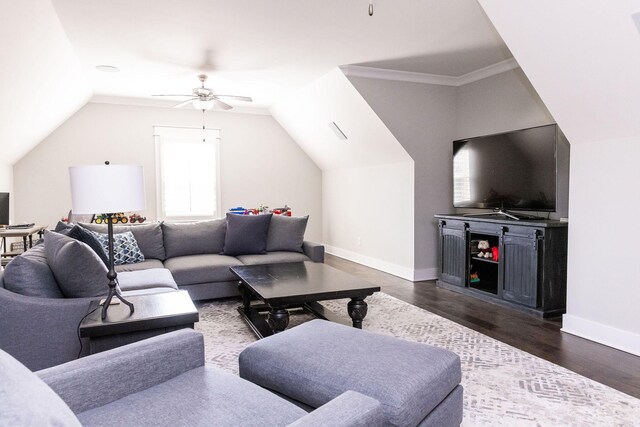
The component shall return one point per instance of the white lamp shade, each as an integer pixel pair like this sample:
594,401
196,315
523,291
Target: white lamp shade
97,189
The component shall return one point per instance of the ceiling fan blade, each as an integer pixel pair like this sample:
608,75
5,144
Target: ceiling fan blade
173,95
222,105
184,103
236,97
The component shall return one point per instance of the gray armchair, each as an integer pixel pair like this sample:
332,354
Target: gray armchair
161,381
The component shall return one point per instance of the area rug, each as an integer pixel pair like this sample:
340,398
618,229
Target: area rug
503,386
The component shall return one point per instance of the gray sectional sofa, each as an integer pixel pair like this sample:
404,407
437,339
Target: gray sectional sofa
39,325
191,251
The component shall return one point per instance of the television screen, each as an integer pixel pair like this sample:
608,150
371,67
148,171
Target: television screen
4,208
514,170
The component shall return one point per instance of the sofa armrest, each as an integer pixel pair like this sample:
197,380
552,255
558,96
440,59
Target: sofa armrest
41,332
350,409
315,251
101,378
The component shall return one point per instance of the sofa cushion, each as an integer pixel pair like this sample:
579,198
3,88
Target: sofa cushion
205,396
76,267
316,361
125,247
148,236
286,233
272,258
29,274
146,279
246,234
205,268
144,265
27,400
194,238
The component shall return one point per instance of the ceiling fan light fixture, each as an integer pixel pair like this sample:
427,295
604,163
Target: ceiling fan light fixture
199,104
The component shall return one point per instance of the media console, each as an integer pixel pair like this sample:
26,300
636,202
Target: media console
530,273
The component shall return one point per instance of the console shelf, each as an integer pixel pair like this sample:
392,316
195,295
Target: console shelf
529,274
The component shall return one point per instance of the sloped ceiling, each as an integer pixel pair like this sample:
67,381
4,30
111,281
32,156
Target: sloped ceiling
583,58
306,115
41,81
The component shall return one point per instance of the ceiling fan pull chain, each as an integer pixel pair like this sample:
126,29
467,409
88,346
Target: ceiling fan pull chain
370,7
203,130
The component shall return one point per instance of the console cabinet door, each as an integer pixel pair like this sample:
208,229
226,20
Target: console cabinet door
520,276
453,256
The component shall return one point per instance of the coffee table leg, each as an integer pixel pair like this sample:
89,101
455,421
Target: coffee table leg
357,309
246,296
278,319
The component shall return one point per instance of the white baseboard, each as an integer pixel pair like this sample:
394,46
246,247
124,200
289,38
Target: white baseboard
388,267
603,334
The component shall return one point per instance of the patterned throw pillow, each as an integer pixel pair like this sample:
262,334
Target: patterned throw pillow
125,247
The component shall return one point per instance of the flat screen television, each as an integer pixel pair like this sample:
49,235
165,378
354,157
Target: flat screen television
4,208
509,171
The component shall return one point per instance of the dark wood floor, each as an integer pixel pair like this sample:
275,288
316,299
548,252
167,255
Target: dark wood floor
541,337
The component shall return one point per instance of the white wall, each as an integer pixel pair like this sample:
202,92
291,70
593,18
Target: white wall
367,179
604,285
422,118
368,215
583,59
260,163
6,185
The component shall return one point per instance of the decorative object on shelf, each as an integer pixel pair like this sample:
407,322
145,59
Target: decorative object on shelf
119,217
496,252
137,218
485,249
112,189
261,210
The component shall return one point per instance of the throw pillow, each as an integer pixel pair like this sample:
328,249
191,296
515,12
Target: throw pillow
286,233
246,234
78,270
194,238
29,274
125,247
27,400
62,226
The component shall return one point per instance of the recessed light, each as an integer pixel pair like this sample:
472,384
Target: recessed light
108,68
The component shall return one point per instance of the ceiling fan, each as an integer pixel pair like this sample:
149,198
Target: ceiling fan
204,99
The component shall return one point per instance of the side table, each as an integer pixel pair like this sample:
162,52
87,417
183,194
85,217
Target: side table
154,314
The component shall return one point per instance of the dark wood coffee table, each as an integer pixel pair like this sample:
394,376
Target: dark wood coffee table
297,285
154,314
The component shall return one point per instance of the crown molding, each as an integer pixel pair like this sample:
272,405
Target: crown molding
159,103
396,75
434,79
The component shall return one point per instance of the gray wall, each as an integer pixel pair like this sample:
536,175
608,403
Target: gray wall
426,118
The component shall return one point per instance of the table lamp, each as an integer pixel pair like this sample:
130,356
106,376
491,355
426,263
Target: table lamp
107,189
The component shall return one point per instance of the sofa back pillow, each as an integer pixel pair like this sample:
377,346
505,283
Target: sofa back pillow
86,236
286,233
76,267
148,236
194,238
246,234
29,274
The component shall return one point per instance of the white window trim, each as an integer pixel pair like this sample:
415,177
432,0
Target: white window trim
210,134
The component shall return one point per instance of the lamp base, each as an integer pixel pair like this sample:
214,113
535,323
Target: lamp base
114,292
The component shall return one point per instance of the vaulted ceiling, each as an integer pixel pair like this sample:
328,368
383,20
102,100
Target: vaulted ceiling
263,49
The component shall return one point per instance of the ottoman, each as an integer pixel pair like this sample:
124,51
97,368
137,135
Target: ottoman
416,384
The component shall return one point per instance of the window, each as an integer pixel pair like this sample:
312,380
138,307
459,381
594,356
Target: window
187,173
462,177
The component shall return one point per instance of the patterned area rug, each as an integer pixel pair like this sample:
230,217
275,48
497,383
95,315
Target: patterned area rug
503,386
